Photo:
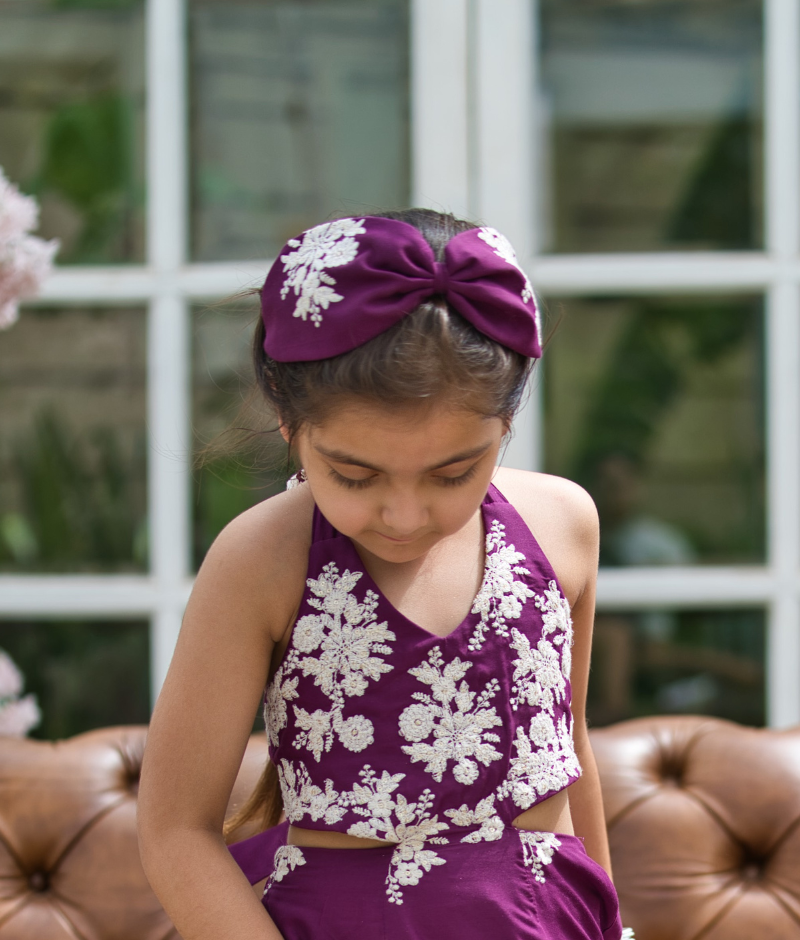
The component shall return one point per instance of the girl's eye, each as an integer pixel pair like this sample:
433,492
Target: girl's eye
349,482
457,481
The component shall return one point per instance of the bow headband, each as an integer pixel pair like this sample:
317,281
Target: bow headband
342,283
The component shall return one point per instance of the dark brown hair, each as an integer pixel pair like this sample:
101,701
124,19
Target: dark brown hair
432,354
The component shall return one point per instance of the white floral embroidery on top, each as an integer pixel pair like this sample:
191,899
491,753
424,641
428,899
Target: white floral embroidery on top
537,679
484,815
556,618
302,797
280,691
501,595
627,934
545,762
394,819
538,849
546,759
505,250
287,858
329,245
347,635
388,817
457,718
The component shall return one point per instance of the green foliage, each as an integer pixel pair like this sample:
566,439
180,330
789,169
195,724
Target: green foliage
96,4
717,207
660,347
224,488
87,160
661,344
84,675
82,504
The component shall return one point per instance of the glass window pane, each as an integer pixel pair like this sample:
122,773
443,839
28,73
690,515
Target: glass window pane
655,124
240,456
655,406
72,441
84,675
706,662
71,112
299,111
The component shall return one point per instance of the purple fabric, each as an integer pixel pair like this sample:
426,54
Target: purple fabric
485,891
342,283
381,729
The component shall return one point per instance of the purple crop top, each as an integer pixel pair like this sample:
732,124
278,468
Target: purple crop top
381,729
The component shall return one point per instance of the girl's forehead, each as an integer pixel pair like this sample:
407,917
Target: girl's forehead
425,435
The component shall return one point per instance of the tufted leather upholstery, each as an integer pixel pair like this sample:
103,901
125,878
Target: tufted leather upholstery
704,823
704,826
69,858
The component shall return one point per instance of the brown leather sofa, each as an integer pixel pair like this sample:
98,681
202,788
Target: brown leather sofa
703,818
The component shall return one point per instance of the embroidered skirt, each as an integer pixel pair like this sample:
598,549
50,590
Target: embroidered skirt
521,886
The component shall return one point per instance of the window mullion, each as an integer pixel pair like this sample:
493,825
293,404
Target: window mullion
439,105
168,328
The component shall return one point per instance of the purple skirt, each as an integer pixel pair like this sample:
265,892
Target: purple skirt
521,886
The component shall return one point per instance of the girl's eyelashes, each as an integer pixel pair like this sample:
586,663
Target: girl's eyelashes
348,481
457,481
352,484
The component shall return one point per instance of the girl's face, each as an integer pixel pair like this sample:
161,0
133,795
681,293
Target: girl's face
399,481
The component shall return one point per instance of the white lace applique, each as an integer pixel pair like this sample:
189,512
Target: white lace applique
505,250
545,761
483,815
280,691
455,716
302,798
347,635
394,819
557,618
329,245
501,595
538,679
538,849
627,934
287,858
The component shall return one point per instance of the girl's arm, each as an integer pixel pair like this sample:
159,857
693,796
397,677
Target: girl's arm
243,600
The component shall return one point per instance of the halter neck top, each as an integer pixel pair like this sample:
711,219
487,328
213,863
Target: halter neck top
383,730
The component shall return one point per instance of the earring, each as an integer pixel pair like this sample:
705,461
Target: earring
296,479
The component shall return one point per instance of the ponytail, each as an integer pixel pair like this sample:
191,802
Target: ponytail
264,806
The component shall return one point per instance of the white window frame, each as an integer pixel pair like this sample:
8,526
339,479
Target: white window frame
475,152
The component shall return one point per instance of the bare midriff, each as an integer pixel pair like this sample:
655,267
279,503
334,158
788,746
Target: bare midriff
552,815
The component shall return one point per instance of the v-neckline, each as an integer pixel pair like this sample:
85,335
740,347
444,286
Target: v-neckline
372,584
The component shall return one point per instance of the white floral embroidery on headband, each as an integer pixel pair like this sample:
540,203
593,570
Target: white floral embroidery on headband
329,245
503,248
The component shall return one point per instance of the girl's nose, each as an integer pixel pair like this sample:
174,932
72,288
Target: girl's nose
404,515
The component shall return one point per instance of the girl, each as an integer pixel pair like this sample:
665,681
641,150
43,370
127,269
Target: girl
424,618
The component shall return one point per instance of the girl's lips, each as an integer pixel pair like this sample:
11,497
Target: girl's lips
399,541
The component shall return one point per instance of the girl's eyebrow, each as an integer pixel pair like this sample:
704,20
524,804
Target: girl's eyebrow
339,456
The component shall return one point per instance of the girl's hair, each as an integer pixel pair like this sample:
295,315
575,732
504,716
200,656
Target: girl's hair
432,354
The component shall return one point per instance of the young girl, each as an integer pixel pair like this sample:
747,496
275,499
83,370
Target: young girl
423,618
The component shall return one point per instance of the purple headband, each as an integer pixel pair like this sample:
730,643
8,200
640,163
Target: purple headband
342,283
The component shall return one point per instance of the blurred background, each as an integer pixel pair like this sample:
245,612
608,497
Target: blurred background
642,156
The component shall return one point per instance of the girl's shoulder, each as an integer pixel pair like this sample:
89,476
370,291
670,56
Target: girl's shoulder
262,554
563,519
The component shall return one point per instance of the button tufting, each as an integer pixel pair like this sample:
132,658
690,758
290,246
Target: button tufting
39,881
751,872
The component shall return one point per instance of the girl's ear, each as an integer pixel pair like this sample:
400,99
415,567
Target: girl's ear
284,432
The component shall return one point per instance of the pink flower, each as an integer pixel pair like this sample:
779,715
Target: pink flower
10,677
25,260
19,716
